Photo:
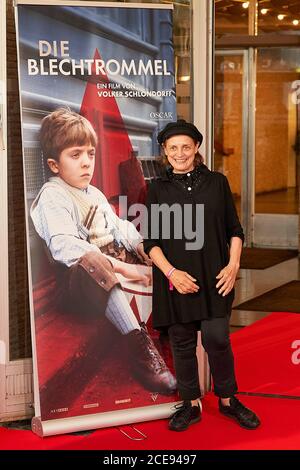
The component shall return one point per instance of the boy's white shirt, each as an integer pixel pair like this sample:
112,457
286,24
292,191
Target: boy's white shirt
55,219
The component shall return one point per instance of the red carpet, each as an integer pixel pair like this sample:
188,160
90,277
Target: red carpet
279,430
263,359
263,353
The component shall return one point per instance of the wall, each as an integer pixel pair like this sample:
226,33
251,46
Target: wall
19,317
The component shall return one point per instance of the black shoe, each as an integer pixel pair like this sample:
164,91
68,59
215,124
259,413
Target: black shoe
245,417
184,416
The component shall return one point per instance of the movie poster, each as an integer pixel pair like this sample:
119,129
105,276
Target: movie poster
114,65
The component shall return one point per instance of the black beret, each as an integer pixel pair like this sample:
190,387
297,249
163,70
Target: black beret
180,127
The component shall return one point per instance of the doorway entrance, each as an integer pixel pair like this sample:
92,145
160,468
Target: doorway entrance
257,140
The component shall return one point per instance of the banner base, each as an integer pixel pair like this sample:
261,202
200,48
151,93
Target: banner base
101,420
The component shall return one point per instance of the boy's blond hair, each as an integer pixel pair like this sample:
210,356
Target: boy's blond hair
64,128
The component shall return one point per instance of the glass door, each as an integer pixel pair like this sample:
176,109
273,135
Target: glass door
231,126
257,139
277,147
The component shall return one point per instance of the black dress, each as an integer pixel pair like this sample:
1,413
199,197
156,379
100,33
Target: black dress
221,223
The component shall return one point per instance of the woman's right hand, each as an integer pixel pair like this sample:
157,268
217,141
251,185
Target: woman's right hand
183,282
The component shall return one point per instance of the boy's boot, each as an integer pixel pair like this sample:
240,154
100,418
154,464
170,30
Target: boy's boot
147,365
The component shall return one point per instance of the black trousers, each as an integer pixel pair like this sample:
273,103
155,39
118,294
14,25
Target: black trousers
216,342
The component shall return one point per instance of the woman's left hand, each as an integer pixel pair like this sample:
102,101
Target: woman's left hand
142,255
227,278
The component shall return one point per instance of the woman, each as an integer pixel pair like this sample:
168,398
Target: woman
193,289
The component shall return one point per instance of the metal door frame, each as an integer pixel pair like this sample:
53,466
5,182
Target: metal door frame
203,78
247,183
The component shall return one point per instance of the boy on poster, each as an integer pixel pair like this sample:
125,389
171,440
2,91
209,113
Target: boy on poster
90,244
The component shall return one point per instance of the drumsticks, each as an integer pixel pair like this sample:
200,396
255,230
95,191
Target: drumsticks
90,217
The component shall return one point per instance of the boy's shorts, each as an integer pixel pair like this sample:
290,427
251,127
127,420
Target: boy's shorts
86,286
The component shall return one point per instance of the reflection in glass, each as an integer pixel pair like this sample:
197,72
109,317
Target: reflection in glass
228,120
279,16
231,17
277,131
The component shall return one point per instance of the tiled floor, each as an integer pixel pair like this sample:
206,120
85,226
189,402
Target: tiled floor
275,202
254,282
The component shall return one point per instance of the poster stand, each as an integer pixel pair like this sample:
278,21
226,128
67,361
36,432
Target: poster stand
101,420
67,59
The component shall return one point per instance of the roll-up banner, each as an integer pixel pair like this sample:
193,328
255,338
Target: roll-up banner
96,86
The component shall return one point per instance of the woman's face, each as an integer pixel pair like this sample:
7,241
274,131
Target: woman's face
180,151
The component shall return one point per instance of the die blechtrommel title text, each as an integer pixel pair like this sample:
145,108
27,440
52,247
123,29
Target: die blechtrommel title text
61,63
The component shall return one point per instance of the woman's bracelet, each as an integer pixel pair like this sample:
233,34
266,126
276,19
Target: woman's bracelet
169,274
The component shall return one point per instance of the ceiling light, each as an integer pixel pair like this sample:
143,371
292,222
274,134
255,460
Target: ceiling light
280,17
245,4
264,11
185,78
295,22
